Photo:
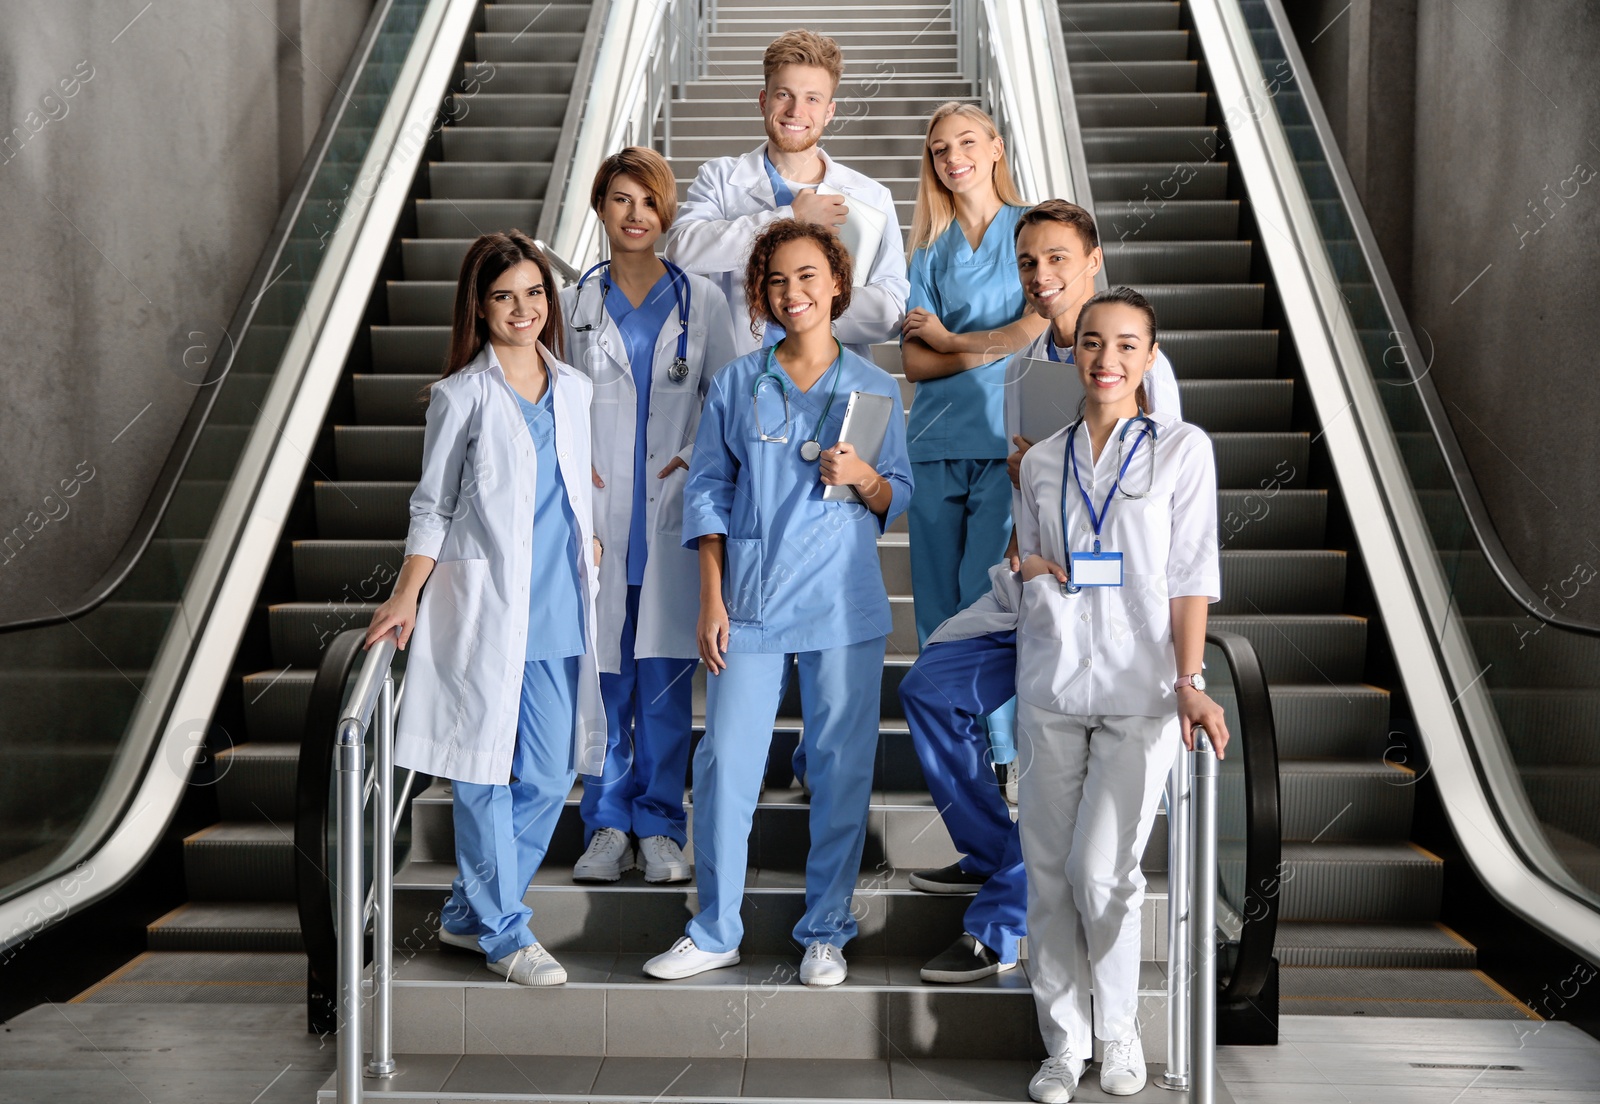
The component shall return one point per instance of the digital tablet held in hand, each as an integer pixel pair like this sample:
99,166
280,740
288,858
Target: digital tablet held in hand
866,420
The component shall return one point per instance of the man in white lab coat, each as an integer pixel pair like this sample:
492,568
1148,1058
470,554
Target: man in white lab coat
788,176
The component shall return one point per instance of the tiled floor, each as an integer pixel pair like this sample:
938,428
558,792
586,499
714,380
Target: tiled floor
184,1053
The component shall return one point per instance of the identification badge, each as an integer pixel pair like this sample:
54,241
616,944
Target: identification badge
1096,569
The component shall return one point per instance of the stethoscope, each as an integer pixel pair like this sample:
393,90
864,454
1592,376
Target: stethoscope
809,449
681,296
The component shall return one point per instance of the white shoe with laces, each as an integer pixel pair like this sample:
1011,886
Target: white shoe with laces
1056,1080
609,854
663,860
683,959
822,965
532,965
1122,1070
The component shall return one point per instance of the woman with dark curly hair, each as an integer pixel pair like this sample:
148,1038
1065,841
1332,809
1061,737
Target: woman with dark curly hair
785,571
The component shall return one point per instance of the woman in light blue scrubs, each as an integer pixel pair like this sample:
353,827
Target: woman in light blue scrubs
784,572
650,336
966,315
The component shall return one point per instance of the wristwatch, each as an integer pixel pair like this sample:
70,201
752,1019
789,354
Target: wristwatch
1195,682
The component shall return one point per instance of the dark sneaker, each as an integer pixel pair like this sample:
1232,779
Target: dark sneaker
964,960
947,879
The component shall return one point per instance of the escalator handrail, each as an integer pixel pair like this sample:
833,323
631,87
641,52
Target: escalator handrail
262,277
194,660
1476,510
1257,740
1457,722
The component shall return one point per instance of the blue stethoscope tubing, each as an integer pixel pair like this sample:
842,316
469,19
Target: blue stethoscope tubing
682,297
812,447
1069,466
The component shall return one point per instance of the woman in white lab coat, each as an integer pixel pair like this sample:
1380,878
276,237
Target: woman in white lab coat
1118,540
502,691
650,337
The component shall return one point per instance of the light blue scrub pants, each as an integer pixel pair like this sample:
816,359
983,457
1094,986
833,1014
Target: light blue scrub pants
502,832
649,715
840,688
960,522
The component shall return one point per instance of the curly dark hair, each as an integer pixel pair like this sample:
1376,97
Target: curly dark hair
779,233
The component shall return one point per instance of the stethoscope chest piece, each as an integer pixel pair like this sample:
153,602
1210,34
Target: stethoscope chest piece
810,450
679,370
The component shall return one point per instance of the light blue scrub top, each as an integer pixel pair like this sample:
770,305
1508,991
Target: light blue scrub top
640,327
800,574
962,417
555,617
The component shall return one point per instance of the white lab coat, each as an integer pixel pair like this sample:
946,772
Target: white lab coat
669,599
472,512
731,202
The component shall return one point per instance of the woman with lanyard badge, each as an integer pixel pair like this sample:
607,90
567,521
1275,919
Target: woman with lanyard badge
1118,539
783,571
650,337
966,316
502,691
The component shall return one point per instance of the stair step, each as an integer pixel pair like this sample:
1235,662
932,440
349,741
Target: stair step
467,218
466,142
1140,262
1095,45
232,861
1367,882
1304,648
1206,306
1457,993
1279,581
1263,465
275,704
228,926
1238,406
1218,354
1155,109
1159,181
520,76
488,179
498,46
1340,801
256,781
1130,76
1323,721
1157,220
1081,18
531,19
301,630
1177,145
1432,945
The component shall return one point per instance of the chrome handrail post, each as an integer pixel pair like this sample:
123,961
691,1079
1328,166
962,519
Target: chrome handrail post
1179,804
383,818
1202,930
350,762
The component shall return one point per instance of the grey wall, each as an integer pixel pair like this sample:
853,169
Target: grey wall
1497,127
145,157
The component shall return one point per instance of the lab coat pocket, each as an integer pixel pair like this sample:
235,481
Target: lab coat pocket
449,619
1044,609
742,578
669,506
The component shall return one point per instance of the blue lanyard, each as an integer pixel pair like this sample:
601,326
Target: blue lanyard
1099,519
781,194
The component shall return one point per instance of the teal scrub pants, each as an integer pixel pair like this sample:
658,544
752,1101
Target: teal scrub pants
839,688
960,521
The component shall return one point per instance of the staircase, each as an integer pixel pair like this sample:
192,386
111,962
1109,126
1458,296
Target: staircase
1359,930
344,541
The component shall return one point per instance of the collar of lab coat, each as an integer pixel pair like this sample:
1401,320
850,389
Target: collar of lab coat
611,343
750,175
486,361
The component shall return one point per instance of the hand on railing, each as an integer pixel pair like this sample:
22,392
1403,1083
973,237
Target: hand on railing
1196,710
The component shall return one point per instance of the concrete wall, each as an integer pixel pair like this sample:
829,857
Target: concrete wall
1498,129
147,150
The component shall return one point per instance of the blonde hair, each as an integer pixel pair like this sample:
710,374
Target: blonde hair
650,169
803,47
936,207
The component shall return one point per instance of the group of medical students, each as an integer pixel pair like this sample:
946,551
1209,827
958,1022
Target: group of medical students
644,473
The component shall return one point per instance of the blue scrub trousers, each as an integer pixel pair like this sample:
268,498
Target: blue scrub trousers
502,832
960,522
649,715
945,695
840,688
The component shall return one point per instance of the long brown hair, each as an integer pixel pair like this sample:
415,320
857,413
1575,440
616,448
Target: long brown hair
755,269
486,261
936,208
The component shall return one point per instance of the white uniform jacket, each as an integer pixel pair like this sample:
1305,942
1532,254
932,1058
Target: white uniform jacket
669,600
472,512
1108,650
729,204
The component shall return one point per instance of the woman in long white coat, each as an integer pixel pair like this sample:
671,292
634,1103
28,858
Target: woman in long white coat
1118,539
650,337
502,689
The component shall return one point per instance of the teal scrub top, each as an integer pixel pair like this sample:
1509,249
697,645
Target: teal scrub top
555,617
962,417
800,574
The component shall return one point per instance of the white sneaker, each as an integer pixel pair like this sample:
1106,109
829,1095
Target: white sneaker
609,853
1122,1069
465,942
1009,786
1056,1080
684,959
532,965
663,860
823,965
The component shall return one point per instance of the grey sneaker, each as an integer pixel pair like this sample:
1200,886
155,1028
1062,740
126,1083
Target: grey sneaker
1122,1069
1056,1080
663,860
609,853
531,965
